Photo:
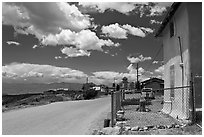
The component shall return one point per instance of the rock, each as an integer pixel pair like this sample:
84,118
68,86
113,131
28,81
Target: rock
120,123
101,133
147,110
150,126
177,126
161,127
122,119
154,128
145,128
141,129
135,128
95,132
128,128
111,130
169,126
183,125
121,112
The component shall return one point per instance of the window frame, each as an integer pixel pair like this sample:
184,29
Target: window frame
172,29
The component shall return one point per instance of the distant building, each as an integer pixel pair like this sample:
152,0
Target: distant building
181,33
155,84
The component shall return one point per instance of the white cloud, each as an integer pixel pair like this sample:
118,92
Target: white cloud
58,57
35,46
114,31
155,22
120,32
155,62
134,31
73,52
150,9
84,40
107,77
60,24
133,70
160,69
41,73
44,17
12,43
9,74
138,59
147,30
32,74
122,7
157,10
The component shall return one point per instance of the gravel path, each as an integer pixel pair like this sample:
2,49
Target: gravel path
155,117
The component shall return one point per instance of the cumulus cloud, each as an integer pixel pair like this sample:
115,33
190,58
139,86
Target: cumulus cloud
147,30
134,31
73,52
60,24
58,57
155,22
9,74
56,16
84,40
12,43
122,7
41,73
32,74
138,59
150,9
35,46
108,77
114,31
160,69
133,70
157,10
120,32
155,62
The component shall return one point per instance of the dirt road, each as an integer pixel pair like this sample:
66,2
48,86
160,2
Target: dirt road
62,118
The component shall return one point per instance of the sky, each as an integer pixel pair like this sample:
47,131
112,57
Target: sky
68,42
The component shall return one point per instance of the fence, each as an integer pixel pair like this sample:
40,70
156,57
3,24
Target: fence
179,102
116,104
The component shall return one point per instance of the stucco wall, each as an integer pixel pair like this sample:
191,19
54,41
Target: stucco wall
177,106
195,20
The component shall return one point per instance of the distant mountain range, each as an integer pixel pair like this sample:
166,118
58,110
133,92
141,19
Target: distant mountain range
20,88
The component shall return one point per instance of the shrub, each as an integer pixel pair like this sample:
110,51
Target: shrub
89,94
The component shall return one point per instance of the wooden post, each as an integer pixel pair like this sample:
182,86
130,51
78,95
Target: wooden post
192,96
112,110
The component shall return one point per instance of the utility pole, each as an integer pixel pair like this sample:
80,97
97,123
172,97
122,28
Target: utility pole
137,82
137,72
87,80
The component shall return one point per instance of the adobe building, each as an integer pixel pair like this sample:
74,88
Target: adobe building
181,34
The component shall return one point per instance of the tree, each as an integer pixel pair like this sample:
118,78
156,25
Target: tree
125,82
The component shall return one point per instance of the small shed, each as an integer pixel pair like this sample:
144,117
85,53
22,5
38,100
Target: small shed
155,84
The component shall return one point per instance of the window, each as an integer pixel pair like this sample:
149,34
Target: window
172,80
172,31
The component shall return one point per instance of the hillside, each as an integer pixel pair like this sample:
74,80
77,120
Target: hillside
20,88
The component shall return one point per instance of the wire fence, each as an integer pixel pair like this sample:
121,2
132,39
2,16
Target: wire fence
116,101
179,102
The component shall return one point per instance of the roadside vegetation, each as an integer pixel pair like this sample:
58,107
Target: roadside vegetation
10,102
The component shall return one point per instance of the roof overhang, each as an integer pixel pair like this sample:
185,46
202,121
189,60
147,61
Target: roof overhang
168,17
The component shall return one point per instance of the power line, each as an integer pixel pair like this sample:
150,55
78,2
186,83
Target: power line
155,57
